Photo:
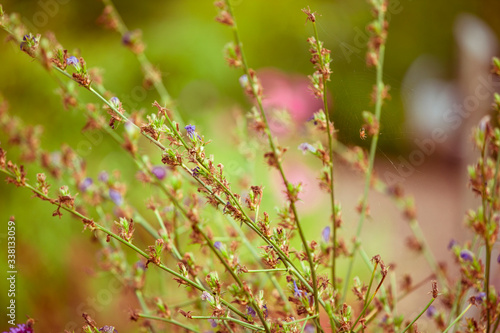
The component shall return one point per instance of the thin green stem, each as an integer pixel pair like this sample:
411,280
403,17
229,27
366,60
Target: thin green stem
371,160
486,222
285,323
234,320
329,130
267,270
458,318
431,260
419,315
168,320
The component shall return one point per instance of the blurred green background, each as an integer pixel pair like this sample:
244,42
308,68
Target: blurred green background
186,44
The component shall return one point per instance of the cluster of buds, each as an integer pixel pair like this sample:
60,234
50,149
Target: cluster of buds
251,84
370,124
109,19
303,299
30,43
223,15
81,74
320,58
155,252
133,41
233,55
126,228
378,32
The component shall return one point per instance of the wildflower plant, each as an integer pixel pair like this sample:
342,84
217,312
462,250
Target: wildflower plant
283,282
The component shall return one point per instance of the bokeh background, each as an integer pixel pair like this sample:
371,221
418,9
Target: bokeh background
437,52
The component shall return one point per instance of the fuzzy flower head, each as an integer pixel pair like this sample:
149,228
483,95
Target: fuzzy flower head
205,296
72,61
466,255
244,81
29,44
116,197
296,291
85,184
190,130
326,234
305,147
115,102
251,311
480,297
431,311
213,323
159,171
309,329
103,176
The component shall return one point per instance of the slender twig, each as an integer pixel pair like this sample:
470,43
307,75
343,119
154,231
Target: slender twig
419,315
458,318
329,131
168,320
242,323
371,160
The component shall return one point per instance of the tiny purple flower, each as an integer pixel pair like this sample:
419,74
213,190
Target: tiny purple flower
451,244
251,311
108,329
190,130
431,311
205,296
218,245
243,81
21,328
296,291
127,38
116,197
159,171
103,176
466,255
26,41
309,298
196,171
213,323
326,234
498,259
480,297
115,101
85,184
309,329
72,61
305,147
266,311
